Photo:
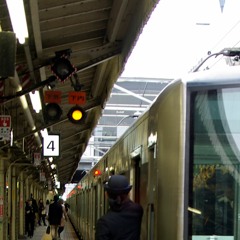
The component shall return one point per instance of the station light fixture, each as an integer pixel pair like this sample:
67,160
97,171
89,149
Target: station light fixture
18,19
76,115
36,101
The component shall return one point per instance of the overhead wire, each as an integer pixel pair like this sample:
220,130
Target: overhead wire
217,44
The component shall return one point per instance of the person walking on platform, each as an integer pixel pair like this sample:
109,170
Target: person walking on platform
54,216
30,218
35,207
41,213
63,219
47,208
123,220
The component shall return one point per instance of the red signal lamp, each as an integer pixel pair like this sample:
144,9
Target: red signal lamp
97,173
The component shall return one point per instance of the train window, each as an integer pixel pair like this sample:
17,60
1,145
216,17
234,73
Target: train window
214,198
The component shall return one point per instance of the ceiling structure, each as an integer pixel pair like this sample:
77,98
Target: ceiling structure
96,37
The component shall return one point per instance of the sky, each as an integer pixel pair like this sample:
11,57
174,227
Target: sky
180,33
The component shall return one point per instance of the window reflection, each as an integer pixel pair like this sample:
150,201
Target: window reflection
214,196
215,134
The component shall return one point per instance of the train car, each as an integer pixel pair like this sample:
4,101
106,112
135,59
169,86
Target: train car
182,158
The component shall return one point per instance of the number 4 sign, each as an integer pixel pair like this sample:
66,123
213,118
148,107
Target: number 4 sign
51,146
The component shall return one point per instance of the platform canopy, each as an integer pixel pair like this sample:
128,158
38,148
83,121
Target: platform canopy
73,55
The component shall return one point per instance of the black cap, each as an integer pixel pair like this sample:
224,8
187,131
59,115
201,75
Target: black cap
117,184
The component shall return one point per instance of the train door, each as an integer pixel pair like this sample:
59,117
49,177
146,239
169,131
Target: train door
97,205
135,174
85,209
214,169
152,202
94,210
89,210
80,210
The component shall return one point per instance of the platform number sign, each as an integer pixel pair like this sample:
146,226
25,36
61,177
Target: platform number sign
51,145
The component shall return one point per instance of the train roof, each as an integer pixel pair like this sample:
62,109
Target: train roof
212,77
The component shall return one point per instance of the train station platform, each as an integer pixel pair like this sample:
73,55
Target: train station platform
67,234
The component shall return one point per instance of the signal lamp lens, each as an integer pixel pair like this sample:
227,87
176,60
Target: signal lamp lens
53,112
76,114
97,173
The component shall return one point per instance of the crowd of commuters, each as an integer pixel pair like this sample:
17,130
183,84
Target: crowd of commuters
122,221
52,214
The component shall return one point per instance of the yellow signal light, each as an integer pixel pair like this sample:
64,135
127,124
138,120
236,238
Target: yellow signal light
76,114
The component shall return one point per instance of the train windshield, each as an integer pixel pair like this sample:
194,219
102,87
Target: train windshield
214,197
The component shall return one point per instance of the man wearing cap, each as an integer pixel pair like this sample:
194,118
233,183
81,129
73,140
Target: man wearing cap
123,220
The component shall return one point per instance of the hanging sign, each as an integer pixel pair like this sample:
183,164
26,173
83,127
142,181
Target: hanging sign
49,185
5,127
51,145
52,96
37,159
42,177
77,98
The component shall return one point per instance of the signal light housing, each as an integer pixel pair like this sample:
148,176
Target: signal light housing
62,68
76,115
53,112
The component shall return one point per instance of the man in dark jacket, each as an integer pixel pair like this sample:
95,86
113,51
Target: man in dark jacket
54,216
123,220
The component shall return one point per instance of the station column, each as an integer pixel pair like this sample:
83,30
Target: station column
21,205
3,200
13,233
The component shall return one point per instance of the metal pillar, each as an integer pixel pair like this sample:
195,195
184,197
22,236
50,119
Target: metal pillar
22,200
9,197
3,203
27,188
13,221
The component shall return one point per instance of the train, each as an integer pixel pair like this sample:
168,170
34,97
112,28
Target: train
182,158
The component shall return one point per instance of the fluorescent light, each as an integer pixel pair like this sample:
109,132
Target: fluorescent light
18,19
44,133
11,138
194,210
36,102
53,166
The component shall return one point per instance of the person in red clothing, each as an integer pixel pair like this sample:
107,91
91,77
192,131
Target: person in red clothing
123,220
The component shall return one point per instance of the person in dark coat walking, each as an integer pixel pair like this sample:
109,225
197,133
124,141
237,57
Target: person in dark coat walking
30,218
123,220
54,216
